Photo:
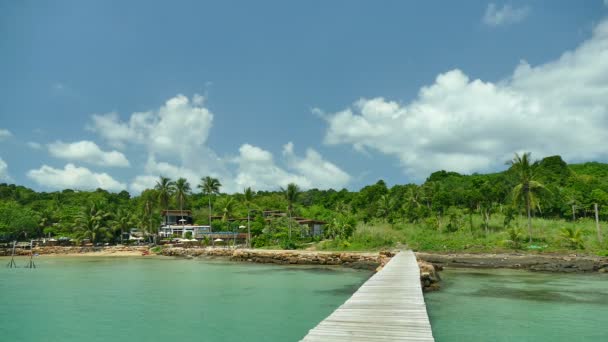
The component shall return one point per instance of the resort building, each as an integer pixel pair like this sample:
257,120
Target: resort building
178,223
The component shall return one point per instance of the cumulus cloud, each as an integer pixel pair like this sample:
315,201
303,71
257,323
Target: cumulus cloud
320,172
5,134
4,176
175,138
495,16
88,152
258,169
74,177
180,126
467,125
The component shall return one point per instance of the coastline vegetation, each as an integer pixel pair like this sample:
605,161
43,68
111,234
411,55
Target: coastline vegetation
535,206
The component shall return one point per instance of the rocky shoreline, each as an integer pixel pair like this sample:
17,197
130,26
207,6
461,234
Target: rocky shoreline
531,262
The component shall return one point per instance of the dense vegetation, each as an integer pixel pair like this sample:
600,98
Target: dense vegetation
543,205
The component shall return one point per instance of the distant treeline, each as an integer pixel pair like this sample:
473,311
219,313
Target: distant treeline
568,191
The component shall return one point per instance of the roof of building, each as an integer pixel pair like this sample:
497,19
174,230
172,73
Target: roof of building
176,212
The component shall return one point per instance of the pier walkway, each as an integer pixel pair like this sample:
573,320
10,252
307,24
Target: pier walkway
388,307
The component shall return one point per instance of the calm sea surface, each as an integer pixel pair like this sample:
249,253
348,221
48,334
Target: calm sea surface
166,299
157,299
508,305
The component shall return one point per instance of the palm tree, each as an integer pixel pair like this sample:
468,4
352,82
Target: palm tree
122,221
165,188
385,206
226,205
210,186
527,189
291,195
248,199
182,190
91,222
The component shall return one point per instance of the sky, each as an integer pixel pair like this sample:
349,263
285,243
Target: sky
325,94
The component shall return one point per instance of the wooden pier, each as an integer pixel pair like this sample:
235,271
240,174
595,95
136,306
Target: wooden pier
388,307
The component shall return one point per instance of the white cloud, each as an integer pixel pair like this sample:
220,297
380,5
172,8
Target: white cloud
34,145
4,176
495,16
176,129
5,134
74,177
320,172
89,152
258,169
142,182
175,137
468,125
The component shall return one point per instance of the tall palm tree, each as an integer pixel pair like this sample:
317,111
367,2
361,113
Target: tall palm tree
527,189
121,222
248,199
182,190
291,195
165,188
210,186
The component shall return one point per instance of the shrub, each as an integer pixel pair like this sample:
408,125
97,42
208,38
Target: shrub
572,238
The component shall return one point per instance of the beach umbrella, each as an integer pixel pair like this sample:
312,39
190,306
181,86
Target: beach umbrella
218,240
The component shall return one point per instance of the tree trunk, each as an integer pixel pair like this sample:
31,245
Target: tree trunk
597,224
529,217
290,223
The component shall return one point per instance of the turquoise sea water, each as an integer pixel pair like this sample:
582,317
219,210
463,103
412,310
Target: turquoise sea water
165,299
509,305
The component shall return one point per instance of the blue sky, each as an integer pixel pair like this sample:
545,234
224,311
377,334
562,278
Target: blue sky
324,94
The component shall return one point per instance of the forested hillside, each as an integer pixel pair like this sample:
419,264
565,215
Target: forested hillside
447,202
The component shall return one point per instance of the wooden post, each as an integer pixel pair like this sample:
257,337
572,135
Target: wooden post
12,263
597,224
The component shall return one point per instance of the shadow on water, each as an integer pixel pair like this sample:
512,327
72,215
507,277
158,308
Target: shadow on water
544,295
339,291
291,269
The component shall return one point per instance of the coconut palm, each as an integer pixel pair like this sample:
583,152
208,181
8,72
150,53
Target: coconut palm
528,189
182,190
165,188
291,195
121,222
91,223
248,199
386,204
210,186
226,206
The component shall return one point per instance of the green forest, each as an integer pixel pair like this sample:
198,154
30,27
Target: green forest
536,206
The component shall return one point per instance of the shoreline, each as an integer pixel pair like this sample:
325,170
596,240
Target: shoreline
560,263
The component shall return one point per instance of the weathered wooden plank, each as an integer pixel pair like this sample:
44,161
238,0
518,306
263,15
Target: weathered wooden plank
388,307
